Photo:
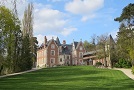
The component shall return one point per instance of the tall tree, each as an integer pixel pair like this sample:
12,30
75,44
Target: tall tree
28,30
125,40
28,21
10,26
26,57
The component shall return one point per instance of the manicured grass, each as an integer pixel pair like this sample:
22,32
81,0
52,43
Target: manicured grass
69,78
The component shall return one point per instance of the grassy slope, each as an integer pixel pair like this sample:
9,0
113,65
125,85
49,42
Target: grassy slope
69,78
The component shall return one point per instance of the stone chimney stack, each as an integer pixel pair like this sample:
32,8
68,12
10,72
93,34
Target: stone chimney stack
45,40
64,41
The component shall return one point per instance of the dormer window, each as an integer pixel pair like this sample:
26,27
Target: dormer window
81,48
52,46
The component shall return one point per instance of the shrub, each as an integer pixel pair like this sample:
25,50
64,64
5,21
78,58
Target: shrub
117,65
98,64
122,63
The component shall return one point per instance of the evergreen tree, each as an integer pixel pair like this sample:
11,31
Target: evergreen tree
26,60
125,40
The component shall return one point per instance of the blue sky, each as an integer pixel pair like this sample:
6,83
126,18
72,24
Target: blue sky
74,19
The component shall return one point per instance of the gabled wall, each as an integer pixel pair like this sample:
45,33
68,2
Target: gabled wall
50,56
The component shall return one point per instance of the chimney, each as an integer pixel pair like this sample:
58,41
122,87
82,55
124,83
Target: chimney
45,40
64,41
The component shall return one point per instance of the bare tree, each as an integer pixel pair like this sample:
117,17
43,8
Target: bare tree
3,2
28,21
14,7
93,39
102,47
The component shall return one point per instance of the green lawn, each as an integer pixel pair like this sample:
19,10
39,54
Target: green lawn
69,78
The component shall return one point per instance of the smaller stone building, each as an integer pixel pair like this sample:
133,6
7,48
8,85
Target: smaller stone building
90,58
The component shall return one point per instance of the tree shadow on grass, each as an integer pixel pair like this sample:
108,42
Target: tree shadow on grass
66,78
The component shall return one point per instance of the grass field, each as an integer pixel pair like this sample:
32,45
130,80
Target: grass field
69,78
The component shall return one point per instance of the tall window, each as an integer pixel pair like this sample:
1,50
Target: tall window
42,60
40,54
80,54
81,48
60,59
67,57
44,53
52,60
37,54
52,46
64,56
52,52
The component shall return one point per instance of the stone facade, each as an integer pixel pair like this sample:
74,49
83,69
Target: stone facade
52,53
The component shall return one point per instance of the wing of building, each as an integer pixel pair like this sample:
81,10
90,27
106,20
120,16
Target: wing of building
91,58
52,53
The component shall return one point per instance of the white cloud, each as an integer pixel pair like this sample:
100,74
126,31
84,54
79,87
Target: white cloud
40,39
86,8
114,33
46,20
56,0
67,31
85,18
50,20
21,4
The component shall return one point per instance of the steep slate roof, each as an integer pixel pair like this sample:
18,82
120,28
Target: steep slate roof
78,45
66,49
58,41
110,40
75,44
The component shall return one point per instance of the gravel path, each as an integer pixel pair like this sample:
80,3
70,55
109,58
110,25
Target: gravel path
34,69
127,72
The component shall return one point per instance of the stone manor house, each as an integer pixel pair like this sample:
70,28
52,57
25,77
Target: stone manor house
52,53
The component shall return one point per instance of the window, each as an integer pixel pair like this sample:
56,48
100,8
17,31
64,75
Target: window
52,52
44,53
52,46
64,56
67,57
52,60
60,59
81,48
37,54
80,54
42,60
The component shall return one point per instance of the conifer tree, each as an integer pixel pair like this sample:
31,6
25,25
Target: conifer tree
125,35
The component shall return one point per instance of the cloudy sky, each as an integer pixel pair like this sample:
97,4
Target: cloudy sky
74,19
